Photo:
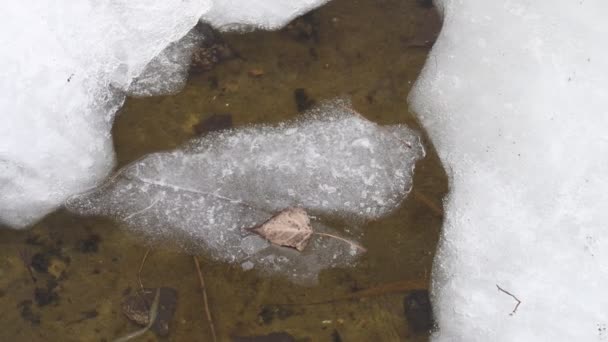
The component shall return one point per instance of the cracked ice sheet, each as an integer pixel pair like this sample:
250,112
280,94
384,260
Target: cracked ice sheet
331,162
65,66
514,97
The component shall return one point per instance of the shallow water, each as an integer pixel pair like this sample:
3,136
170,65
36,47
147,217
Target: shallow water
371,51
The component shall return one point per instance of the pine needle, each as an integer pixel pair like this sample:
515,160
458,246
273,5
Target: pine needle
206,302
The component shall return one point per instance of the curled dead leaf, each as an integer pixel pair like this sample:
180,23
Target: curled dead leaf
290,228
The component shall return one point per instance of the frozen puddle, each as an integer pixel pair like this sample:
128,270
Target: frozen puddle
331,162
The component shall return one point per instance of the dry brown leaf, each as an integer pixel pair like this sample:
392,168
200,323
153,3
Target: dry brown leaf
290,227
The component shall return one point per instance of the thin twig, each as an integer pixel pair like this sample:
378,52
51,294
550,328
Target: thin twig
204,290
352,243
513,296
141,267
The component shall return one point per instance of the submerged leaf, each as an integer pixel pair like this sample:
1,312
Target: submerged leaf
289,228
137,308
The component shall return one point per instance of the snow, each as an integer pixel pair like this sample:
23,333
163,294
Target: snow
204,195
61,84
230,15
66,66
514,97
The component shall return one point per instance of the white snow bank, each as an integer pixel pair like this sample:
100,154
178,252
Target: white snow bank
332,162
65,66
514,97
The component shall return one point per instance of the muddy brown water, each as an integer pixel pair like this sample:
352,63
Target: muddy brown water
369,50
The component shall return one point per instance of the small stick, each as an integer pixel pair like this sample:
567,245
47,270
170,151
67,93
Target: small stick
513,296
204,290
343,239
141,267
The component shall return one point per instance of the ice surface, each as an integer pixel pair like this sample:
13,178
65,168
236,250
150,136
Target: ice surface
167,72
65,68
331,162
229,15
514,97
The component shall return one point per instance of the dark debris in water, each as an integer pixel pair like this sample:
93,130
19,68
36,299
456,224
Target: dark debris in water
426,32
89,314
304,29
418,311
89,244
425,3
136,307
215,122
28,314
272,337
34,240
302,99
85,315
40,262
212,51
268,313
335,336
46,295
